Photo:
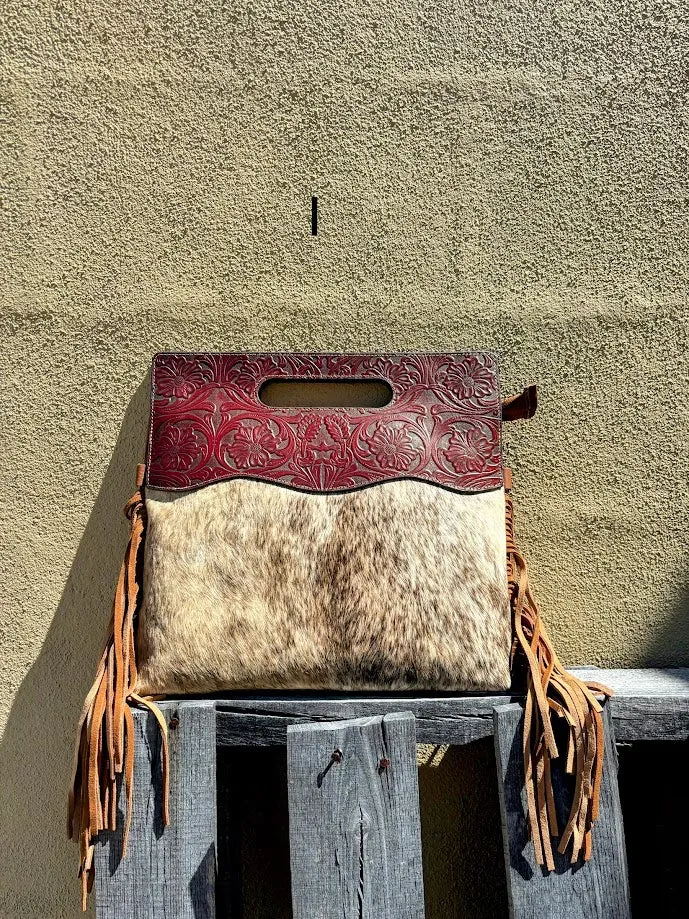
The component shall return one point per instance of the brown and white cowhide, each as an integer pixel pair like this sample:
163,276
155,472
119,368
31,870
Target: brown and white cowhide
251,585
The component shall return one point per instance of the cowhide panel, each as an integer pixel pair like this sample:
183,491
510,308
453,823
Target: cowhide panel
251,585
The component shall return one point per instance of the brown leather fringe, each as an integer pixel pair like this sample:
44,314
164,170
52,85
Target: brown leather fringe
550,691
105,736
105,744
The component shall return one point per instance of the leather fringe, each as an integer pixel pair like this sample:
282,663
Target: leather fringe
104,754
104,751
550,691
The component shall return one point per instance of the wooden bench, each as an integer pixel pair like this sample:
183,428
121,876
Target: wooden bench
355,842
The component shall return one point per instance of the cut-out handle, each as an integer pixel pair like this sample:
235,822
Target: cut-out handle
326,393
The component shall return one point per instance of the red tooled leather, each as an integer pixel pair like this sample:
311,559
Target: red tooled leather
443,424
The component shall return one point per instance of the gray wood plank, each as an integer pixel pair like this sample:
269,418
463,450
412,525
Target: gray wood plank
648,704
264,722
628,682
599,887
355,835
653,718
169,873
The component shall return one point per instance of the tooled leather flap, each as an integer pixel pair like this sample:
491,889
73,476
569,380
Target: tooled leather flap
442,424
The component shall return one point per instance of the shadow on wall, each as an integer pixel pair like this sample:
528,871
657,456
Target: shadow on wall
39,864
669,645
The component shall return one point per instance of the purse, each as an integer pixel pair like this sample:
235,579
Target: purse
320,546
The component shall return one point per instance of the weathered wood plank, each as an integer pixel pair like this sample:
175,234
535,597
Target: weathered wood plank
627,682
597,888
654,718
355,835
456,721
648,704
169,873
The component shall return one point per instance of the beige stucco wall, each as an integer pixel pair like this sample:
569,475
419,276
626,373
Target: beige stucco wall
508,174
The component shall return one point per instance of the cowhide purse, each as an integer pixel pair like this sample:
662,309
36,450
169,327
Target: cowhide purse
348,548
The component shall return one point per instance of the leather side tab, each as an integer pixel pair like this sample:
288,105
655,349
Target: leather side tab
523,405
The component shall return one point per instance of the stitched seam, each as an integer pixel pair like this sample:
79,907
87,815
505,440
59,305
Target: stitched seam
151,414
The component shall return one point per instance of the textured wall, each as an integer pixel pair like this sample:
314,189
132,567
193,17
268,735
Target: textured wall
507,173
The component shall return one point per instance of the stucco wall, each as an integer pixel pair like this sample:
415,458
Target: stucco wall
501,174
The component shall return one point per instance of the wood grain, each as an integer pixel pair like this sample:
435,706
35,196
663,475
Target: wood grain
648,704
169,873
264,721
596,888
355,835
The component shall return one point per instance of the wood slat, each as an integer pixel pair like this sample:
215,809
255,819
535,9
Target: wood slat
264,721
169,873
355,835
597,888
631,682
648,705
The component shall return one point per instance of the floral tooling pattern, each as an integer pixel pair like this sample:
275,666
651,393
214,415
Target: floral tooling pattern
209,424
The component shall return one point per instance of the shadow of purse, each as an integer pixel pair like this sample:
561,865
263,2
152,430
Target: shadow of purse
358,547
